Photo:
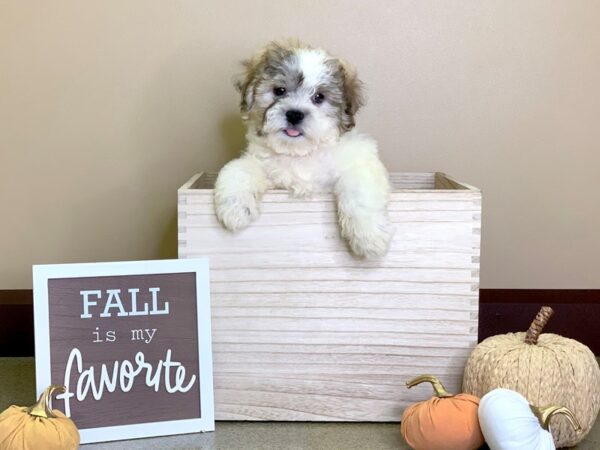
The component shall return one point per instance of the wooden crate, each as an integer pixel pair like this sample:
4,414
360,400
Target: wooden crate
304,331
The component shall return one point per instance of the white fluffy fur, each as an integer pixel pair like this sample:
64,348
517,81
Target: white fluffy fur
322,159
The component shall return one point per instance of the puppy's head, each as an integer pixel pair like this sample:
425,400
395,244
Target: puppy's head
295,97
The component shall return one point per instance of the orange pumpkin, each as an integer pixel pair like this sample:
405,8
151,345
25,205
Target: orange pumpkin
38,427
444,422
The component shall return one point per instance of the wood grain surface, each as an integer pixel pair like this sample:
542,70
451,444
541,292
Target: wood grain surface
302,330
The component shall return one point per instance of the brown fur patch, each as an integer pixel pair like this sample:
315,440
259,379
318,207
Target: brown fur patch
266,63
353,95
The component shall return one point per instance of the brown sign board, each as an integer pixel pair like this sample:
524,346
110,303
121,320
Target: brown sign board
131,343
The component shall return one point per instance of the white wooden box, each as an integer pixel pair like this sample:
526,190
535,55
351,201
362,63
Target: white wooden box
304,331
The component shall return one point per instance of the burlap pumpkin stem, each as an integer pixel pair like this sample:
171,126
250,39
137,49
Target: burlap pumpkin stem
535,329
547,369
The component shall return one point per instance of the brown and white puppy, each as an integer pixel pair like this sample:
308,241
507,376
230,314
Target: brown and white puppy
299,103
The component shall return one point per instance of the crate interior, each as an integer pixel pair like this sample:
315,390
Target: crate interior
400,181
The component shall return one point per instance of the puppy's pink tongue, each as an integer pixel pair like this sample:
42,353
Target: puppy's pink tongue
291,132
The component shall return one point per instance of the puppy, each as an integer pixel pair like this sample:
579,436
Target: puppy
299,104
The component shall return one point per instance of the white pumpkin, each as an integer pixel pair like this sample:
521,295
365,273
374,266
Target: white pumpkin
508,422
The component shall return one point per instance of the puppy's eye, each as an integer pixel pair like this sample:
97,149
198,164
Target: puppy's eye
279,91
318,98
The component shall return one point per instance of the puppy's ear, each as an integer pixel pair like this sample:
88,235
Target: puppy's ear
353,95
246,84
268,59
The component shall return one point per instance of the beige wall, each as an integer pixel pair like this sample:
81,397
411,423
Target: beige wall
106,107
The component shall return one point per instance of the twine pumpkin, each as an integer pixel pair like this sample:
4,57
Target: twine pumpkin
444,422
509,422
547,369
38,427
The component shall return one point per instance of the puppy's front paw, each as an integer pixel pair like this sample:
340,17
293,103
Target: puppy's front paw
368,237
236,212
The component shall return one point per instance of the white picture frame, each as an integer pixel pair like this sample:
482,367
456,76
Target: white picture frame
42,274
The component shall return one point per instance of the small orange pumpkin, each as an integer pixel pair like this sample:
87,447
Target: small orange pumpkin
38,427
444,422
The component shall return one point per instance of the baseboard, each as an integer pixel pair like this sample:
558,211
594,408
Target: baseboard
16,322
576,315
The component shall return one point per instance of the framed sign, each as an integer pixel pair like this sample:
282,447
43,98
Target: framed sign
131,342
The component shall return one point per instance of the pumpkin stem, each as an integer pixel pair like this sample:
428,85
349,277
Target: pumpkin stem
545,414
540,321
438,387
43,407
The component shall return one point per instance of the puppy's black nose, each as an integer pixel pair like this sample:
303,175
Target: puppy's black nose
294,116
